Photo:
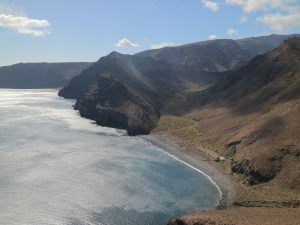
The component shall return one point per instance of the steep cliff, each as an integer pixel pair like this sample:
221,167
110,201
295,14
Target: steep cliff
110,103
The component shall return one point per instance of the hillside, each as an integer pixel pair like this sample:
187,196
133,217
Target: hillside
156,81
262,44
259,107
252,119
217,55
39,75
162,79
152,82
211,56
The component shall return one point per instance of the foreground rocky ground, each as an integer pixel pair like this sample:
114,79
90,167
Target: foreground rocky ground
243,203
242,216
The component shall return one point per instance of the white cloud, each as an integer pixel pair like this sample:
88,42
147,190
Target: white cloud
279,15
214,6
126,43
25,25
235,2
11,9
161,45
243,19
212,37
280,23
232,31
259,5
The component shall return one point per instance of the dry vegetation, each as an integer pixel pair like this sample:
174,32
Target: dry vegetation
255,124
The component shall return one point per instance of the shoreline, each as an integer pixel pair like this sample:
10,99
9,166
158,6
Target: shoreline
199,161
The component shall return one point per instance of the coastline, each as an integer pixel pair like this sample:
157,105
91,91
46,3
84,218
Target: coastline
199,161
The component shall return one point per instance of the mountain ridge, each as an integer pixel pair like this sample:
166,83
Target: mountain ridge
40,75
244,50
160,82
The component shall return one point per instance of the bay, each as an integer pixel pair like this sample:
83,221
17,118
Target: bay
60,169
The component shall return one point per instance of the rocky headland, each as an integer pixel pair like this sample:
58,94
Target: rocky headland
110,103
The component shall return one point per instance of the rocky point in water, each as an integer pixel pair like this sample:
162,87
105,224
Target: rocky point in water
112,104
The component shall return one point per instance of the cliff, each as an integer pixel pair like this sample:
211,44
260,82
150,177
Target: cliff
134,86
110,103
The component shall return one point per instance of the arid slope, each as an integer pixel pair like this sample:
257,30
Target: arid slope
253,120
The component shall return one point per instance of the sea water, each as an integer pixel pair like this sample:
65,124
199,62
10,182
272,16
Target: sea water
60,169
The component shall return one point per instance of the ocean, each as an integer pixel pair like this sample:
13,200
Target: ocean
57,168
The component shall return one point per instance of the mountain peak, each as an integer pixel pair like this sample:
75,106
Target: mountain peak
114,53
293,43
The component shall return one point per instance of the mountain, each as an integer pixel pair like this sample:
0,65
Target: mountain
211,56
160,79
217,55
156,81
150,82
260,45
39,75
253,117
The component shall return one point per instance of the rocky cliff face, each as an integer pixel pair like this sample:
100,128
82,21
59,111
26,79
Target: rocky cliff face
125,91
110,103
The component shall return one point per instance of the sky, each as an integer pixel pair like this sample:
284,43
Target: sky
85,30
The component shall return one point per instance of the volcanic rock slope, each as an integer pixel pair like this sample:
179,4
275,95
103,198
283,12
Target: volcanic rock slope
253,118
105,91
217,55
159,79
39,75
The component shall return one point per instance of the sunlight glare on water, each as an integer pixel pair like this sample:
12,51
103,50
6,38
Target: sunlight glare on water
58,168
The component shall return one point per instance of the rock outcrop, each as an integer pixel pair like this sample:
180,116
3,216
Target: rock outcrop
110,103
241,216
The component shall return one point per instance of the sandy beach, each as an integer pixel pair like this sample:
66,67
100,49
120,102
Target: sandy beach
228,212
199,160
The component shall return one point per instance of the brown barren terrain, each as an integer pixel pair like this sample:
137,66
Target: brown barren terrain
254,122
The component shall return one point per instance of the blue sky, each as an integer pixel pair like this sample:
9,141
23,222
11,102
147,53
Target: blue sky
85,30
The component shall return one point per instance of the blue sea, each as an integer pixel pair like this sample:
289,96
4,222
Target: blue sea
57,168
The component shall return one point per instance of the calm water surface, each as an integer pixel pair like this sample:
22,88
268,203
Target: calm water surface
57,168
